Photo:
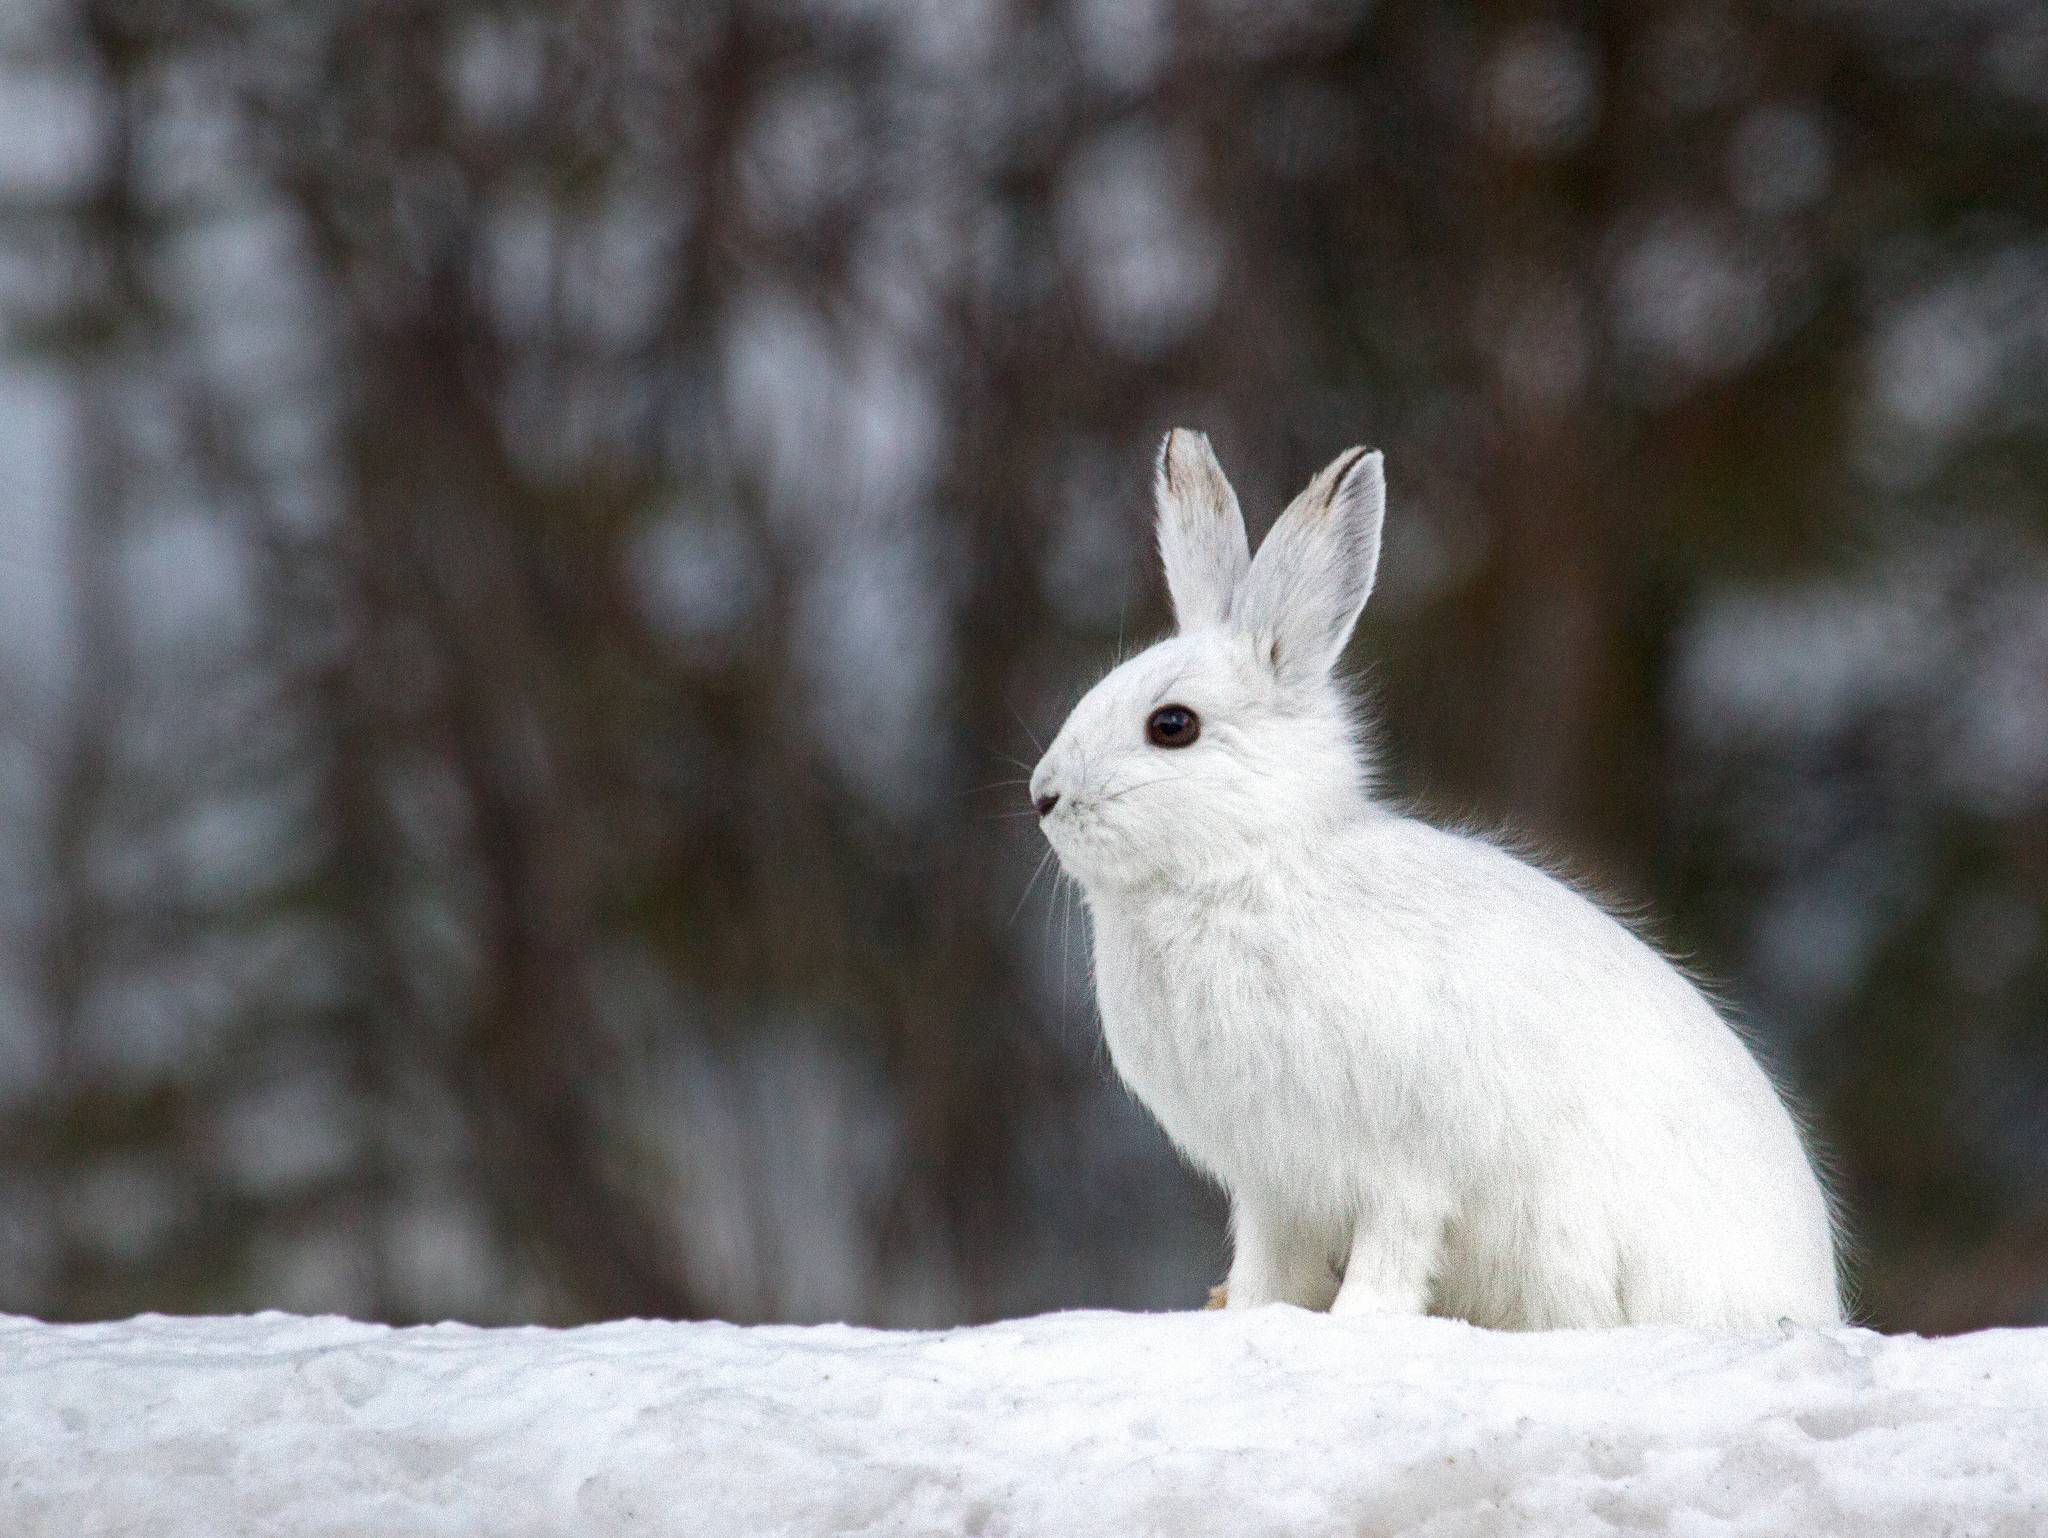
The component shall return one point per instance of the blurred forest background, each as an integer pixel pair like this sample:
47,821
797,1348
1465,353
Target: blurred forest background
533,539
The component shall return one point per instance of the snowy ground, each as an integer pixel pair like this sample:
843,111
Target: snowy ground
1071,1425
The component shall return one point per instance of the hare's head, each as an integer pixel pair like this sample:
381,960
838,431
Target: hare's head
1210,753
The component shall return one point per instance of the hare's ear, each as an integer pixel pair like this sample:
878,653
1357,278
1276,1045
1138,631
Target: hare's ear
1201,531
1315,570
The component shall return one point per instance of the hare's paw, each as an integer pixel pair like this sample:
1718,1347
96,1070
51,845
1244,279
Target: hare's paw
1396,1249
1277,1260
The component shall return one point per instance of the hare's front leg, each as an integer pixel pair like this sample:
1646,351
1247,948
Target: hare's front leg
1396,1248
1276,1259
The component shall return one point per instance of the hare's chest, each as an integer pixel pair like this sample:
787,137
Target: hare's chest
1237,1064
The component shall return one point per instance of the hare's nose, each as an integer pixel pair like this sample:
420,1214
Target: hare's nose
1045,803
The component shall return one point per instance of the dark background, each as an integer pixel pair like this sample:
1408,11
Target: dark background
535,539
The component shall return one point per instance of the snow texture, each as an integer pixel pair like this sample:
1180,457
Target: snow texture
1265,1421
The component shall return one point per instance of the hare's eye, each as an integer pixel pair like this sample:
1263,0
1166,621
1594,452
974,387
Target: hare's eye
1172,726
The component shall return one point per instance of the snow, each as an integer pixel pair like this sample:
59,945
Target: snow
1272,1421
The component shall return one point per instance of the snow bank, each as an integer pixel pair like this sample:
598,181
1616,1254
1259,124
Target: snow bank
1074,1424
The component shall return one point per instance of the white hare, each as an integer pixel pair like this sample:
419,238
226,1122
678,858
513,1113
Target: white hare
1430,1076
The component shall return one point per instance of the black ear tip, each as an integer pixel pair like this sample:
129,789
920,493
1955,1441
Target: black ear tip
1189,447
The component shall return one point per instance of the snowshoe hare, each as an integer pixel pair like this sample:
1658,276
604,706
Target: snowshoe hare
1430,1076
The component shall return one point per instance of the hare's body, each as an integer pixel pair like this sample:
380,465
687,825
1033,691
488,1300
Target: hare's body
1429,1076
1518,1115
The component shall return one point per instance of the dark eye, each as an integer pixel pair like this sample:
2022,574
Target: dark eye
1172,726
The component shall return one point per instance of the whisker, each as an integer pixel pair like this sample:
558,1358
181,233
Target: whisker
1045,932
1043,860
1026,725
977,790
1066,939
1052,918
1142,784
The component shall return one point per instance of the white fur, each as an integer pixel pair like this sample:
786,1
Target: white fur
1429,1076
